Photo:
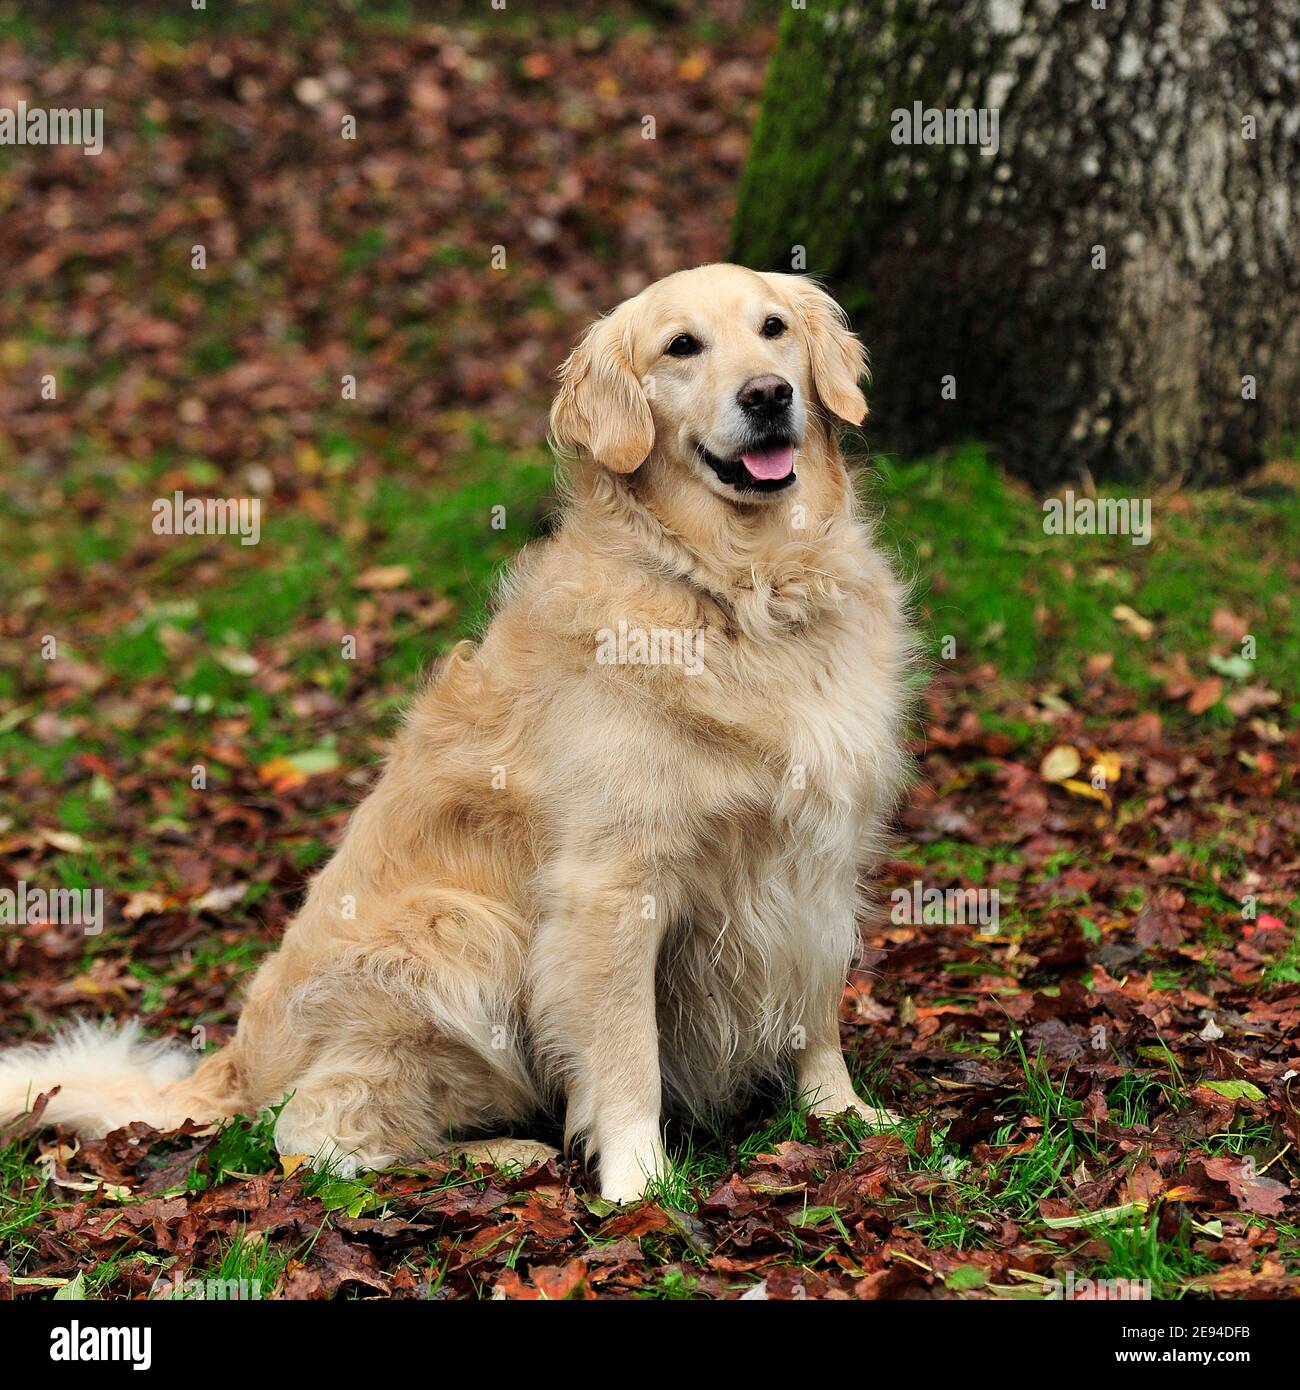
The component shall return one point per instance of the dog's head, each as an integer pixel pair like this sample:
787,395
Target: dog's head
720,372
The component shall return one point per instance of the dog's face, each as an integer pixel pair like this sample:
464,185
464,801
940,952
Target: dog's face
716,371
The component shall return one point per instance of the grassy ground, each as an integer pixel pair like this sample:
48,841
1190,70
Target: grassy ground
247,663
1036,608
1099,1088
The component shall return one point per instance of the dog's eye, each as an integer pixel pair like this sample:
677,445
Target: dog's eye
683,345
773,327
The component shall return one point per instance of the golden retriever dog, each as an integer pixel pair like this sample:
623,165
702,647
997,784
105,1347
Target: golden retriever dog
612,864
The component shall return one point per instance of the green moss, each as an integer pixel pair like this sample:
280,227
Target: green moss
1038,606
819,174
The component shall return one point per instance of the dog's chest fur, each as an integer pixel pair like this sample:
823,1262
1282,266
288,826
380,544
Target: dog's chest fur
807,717
747,793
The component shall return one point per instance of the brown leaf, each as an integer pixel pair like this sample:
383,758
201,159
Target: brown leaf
1228,625
1262,1195
384,577
1205,693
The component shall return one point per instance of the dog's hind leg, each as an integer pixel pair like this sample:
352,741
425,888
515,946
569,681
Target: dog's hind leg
390,1032
500,1152
371,1106
333,1118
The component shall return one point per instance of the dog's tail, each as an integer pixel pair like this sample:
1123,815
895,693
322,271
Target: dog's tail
109,1075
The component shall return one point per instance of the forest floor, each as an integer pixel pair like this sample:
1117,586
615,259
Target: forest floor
1098,1084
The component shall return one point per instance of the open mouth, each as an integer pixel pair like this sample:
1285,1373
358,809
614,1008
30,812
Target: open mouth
767,467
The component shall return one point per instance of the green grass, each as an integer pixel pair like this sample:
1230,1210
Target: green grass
24,1201
975,537
1285,970
245,1145
703,1155
1139,1253
974,544
967,1210
958,860
673,1285
246,1267
1134,1097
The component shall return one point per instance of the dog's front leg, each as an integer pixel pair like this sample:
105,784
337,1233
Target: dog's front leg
592,1011
822,1075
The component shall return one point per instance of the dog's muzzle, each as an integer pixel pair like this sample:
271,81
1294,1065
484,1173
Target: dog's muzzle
766,466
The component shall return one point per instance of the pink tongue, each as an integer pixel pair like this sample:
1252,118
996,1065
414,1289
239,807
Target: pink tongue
770,463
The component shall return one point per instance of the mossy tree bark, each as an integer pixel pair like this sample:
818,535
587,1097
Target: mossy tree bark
1164,132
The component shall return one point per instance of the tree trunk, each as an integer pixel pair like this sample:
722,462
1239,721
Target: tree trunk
1115,289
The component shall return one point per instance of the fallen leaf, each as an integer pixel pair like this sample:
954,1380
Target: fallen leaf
1264,1196
1087,1220
219,899
1133,620
384,577
1086,789
1228,625
1108,764
1234,1090
281,775
141,904
1250,698
1235,666
286,772
240,663
1204,694
1061,762
966,1277
63,840
314,760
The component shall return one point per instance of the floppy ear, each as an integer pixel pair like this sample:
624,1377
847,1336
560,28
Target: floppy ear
601,407
839,361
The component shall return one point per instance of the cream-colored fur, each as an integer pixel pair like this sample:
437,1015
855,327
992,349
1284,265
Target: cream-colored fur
615,888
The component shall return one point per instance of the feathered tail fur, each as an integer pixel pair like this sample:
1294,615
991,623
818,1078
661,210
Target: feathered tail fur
110,1074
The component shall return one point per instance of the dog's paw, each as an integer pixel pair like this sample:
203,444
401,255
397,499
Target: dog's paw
499,1152
626,1173
623,1189
326,1153
874,1115
877,1116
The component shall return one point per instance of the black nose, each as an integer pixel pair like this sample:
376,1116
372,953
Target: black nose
765,395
